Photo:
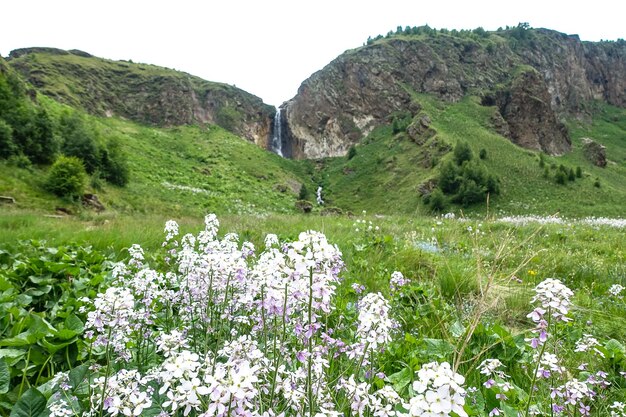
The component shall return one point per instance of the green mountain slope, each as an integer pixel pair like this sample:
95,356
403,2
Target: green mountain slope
389,169
144,93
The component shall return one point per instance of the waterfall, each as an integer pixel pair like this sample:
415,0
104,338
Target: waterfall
319,196
276,144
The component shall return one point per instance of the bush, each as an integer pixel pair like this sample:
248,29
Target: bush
571,175
351,152
304,193
437,200
579,172
560,177
7,146
462,152
483,153
79,141
114,165
66,177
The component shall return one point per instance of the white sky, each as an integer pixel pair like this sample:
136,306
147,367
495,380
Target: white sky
269,47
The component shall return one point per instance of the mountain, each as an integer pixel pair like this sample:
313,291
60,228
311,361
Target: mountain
143,93
535,79
186,170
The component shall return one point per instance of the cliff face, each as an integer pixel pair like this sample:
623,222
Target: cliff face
343,102
143,93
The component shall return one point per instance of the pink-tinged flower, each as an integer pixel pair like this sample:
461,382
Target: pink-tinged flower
489,383
495,412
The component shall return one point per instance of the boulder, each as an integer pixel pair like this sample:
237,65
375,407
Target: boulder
304,206
594,152
91,201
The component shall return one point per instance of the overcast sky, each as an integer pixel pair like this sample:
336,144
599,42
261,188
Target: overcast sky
269,47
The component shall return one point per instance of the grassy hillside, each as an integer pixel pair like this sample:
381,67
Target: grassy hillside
187,170
144,93
388,168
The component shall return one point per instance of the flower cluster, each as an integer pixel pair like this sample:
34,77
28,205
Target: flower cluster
618,409
375,325
553,295
397,281
588,343
439,392
126,393
616,290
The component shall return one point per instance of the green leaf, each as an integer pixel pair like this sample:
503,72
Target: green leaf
74,323
457,329
77,375
5,377
401,379
31,404
438,348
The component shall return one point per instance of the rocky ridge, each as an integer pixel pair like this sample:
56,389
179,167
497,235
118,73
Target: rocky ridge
142,93
534,77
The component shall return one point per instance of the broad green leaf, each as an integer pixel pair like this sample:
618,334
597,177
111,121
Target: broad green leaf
74,323
457,329
53,348
77,375
31,404
11,353
401,379
438,348
5,377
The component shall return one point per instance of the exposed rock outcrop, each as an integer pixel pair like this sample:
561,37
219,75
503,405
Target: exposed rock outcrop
340,104
594,152
529,117
143,93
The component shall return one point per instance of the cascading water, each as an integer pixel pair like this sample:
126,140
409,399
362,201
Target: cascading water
276,145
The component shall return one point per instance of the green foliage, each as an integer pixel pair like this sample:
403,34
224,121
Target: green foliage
113,164
351,152
579,172
560,177
7,146
483,153
304,192
78,140
66,177
571,176
462,152
467,184
437,200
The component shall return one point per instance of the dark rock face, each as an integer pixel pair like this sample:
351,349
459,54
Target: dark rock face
143,93
531,122
343,102
594,152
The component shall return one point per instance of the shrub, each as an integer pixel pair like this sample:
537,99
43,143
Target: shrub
66,177
79,141
560,177
113,164
483,153
304,193
351,152
596,183
579,172
437,201
571,175
7,146
462,152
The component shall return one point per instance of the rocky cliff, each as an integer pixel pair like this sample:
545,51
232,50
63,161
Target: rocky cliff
535,77
143,93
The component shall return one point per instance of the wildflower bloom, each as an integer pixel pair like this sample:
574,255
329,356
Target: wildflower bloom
438,391
397,281
552,294
616,289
